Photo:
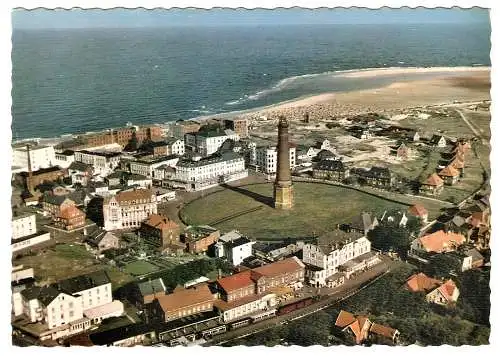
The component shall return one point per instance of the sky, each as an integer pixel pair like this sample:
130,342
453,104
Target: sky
116,18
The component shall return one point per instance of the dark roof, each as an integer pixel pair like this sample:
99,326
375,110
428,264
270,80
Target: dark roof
237,242
98,153
120,333
84,282
136,177
335,239
323,154
43,171
45,294
330,165
435,138
151,286
362,222
80,166
67,153
117,174
77,196
54,199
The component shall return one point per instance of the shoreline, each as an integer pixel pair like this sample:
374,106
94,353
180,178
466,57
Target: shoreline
442,74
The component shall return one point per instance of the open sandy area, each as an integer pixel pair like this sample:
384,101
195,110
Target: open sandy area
467,84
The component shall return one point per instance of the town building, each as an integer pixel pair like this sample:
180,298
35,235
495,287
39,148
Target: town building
249,306
70,218
266,158
332,254
162,232
103,163
262,280
199,238
41,156
437,242
208,142
238,125
166,147
450,175
80,173
419,211
54,204
64,158
147,166
139,181
183,302
433,185
23,225
401,151
196,175
51,174
180,128
21,278
445,295
145,292
363,223
334,170
128,209
234,247
70,306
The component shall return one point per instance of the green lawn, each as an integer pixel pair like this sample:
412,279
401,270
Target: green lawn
318,209
140,267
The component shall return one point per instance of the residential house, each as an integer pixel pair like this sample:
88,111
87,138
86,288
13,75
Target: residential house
169,146
199,238
183,302
413,136
162,232
363,223
458,165
234,247
450,175
334,170
446,294
53,205
207,142
433,185
145,292
380,177
22,278
325,154
248,306
419,211
238,125
266,158
100,240
103,163
80,173
70,218
25,233
401,151
437,242
438,141
421,283
139,181
383,335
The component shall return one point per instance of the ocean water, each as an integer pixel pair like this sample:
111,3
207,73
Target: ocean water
73,81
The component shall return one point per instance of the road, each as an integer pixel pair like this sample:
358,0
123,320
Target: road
329,298
471,127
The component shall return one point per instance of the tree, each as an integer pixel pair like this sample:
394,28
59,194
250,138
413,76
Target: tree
442,265
390,236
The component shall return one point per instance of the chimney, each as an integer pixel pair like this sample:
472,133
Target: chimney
30,172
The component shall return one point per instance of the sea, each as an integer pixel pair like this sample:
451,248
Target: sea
80,80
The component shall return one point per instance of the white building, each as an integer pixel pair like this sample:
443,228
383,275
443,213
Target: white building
234,247
251,306
330,253
64,159
41,157
175,146
266,159
23,225
103,163
25,233
128,209
139,180
72,305
208,172
148,167
208,142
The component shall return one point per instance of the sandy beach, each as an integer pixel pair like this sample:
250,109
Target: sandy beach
464,84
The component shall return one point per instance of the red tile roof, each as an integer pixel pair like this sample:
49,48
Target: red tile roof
440,241
344,319
447,290
418,210
280,267
70,212
236,281
185,298
449,171
458,164
161,222
434,180
382,330
421,282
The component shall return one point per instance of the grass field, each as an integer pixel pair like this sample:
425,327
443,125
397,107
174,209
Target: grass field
451,125
318,209
140,267
67,260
